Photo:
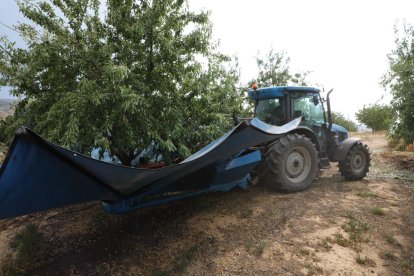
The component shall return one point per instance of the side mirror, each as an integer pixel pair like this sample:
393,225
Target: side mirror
315,99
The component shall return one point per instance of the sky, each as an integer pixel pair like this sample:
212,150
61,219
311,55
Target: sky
343,43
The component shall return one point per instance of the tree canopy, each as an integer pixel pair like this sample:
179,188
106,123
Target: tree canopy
376,116
144,73
274,70
400,81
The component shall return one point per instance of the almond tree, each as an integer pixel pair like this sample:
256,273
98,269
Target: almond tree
120,77
400,80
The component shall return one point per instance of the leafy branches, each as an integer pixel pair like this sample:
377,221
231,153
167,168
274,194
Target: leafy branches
400,81
146,73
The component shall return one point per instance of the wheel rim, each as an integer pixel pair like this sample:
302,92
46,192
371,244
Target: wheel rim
297,164
358,162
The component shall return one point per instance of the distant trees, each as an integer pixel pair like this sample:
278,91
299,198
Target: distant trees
146,73
376,116
339,119
400,81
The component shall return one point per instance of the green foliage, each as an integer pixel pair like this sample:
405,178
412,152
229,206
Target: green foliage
376,116
256,247
339,119
274,71
146,72
28,243
8,267
364,260
378,211
399,80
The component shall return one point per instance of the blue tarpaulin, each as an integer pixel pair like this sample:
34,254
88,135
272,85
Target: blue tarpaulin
39,175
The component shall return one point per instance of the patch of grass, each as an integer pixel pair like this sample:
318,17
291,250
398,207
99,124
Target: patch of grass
341,240
256,248
260,247
367,193
314,269
404,264
357,231
364,260
326,243
9,268
304,251
392,240
378,211
28,243
390,256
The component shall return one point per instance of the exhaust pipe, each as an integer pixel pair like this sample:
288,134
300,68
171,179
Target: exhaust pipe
328,105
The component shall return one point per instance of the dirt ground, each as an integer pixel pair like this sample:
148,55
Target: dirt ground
334,228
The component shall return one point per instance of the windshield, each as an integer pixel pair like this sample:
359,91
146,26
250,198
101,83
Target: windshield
271,111
304,105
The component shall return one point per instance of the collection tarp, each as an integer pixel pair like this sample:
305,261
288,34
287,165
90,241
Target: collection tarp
39,175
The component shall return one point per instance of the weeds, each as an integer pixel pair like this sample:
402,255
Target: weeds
357,233
28,242
326,243
404,264
378,211
314,269
9,268
390,256
256,248
365,261
341,240
304,251
392,240
367,193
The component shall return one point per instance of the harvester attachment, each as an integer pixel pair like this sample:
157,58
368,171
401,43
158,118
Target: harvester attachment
39,175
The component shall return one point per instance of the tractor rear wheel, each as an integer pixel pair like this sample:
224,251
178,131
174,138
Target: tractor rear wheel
356,164
290,164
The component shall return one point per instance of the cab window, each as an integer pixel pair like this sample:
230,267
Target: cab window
311,110
271,111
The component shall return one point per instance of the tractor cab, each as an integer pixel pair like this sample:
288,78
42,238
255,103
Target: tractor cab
279,105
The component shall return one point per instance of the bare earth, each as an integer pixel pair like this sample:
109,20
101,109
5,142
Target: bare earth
333,228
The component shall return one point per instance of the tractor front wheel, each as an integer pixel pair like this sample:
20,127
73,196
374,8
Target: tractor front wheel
356,164
290,164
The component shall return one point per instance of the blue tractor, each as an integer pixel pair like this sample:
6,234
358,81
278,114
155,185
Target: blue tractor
291,162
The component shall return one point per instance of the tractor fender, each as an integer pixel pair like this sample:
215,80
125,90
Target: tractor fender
343,148
308,133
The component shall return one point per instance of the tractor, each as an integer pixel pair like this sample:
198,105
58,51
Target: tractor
291,162
290,139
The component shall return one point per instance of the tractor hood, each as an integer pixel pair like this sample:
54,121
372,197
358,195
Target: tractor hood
341,131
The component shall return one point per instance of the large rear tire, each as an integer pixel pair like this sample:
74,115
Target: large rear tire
290,164
356,164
